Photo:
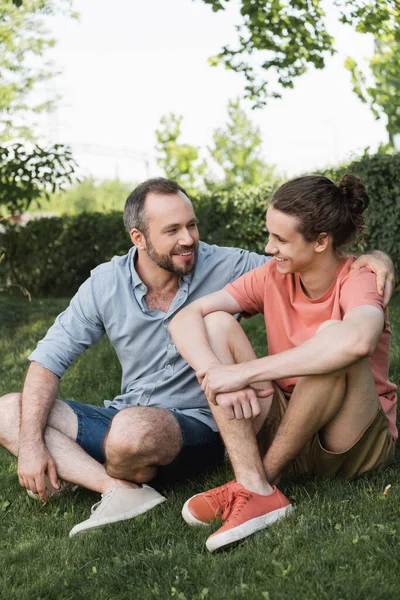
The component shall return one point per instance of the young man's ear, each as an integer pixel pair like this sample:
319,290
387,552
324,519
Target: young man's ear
322,242
137,238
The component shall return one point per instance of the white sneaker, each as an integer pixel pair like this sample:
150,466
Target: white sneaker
65,488
118,504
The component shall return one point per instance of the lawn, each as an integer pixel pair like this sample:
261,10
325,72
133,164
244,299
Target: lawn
342,542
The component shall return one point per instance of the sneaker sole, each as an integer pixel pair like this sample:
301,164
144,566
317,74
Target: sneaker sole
56,493
242,531
89,525
189,518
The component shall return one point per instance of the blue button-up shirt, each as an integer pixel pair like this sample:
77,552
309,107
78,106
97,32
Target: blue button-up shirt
112,301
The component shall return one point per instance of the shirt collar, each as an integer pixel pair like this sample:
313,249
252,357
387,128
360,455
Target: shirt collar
136,279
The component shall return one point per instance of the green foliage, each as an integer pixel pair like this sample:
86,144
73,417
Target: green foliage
179,161
24,42
237,150
52,257
234,217
29,173
88,196
381,90
380,175
289,36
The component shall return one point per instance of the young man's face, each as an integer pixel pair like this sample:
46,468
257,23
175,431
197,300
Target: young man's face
292,253
172,236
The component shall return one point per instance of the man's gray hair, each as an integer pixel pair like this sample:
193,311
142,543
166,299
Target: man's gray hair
134,213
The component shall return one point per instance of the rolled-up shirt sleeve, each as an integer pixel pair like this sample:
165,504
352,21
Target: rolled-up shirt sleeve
77,328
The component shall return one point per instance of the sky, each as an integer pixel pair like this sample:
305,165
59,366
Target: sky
125,64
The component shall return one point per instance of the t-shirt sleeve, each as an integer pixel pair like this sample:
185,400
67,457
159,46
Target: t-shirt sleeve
359,289
244,261
76,329
248,291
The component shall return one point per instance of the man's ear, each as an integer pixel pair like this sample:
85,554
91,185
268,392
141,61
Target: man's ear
137,238
322,242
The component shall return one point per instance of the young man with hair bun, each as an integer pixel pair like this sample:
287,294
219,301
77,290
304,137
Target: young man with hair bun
331,409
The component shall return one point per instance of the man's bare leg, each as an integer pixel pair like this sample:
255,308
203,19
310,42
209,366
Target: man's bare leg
140,440
231,345
338,405
73,463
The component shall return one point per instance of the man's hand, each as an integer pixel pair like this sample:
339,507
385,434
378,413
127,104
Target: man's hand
382,266
34,461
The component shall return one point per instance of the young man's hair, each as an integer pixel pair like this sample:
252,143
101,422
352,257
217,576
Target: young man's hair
134,211
321,206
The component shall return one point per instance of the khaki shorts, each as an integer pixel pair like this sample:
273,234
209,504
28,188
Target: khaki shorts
374,449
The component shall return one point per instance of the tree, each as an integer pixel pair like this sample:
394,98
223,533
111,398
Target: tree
29,174
381,90
179,161
24,42
288,36
26,175
237,149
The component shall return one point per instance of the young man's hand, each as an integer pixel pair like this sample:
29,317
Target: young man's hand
242,404
219,379
34,461
380,264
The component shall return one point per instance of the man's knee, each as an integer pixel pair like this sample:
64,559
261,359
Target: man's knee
220,321
127,436
139,438
9,417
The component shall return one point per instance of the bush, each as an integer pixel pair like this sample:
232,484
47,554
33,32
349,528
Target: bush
380,175
235,217
52,257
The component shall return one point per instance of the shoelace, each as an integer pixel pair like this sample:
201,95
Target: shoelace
103,497
235,503
220,498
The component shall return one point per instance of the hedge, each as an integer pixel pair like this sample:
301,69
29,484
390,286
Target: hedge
52,257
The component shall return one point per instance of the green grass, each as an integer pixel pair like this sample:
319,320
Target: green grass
342,541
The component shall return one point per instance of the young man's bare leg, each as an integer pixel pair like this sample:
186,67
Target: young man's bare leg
231,345
338,405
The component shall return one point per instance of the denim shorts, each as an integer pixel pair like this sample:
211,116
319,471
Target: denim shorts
201,447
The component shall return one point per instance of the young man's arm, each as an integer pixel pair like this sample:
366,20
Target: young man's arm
189,332
335,347
190,336
34,460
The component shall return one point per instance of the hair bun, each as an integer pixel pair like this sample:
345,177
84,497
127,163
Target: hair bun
354,193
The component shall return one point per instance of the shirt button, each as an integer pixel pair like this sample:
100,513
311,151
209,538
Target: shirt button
143,310
145,395
186,279
142,287
169,367
170,346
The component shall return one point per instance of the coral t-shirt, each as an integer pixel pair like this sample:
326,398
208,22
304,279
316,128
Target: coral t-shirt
291,317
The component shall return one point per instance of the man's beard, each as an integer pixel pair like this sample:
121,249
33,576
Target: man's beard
166,262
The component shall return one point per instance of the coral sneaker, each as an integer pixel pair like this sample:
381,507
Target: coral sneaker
246,513
202,508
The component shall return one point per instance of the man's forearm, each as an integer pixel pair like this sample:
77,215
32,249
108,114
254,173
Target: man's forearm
331,349
190,337
38,396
